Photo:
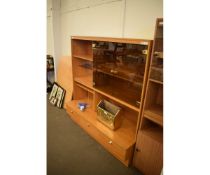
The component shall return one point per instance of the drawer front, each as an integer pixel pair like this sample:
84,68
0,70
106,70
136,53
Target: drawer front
110,145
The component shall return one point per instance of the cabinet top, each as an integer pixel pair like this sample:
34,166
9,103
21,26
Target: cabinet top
117,40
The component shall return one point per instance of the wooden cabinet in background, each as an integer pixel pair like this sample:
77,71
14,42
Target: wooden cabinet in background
148,156
115,70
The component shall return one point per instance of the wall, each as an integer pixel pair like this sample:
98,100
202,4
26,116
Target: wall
54,31
50,38
50,42
101,20
141,17
111,18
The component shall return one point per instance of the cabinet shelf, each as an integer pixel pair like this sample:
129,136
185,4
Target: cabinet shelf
155,133
124,136
124,100
155,113
156,73
156,81
84,57
85,80
85,88
137,79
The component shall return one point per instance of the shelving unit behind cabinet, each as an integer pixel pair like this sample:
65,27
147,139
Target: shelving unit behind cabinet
148,155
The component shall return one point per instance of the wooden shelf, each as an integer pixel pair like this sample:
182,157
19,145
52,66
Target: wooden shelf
84,100
85,81
84,57
85,88
136,79
124,136
155,133
156,81
107,92
155,114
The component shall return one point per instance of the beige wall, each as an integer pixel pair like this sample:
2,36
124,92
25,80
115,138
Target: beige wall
102,20
141,17
50,42
121,18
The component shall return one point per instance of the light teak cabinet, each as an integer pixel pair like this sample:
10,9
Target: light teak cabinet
148,156
115,70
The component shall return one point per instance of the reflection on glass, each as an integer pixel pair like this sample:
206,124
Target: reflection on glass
119,69
157,59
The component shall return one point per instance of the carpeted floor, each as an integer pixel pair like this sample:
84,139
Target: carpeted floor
70,151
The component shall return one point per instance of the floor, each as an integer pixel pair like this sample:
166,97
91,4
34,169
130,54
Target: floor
70,151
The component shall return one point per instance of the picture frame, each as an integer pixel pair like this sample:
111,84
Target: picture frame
50,62
57,95
53,101
54,90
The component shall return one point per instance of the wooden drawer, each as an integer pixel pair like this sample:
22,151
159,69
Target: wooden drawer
106,142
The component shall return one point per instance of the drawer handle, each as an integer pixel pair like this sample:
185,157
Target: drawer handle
71,111
110,142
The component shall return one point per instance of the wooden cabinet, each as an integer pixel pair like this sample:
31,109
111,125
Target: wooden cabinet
115,70
148,156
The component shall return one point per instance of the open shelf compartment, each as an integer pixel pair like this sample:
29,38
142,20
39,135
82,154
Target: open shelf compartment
154,103
82,49
83,72
152,130
83,95
124,136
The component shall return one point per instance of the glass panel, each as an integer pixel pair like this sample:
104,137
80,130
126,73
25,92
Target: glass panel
157,58
119,69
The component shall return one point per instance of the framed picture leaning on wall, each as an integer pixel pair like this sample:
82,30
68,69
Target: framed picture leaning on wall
57,95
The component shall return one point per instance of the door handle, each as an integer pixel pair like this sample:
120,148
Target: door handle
137,150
